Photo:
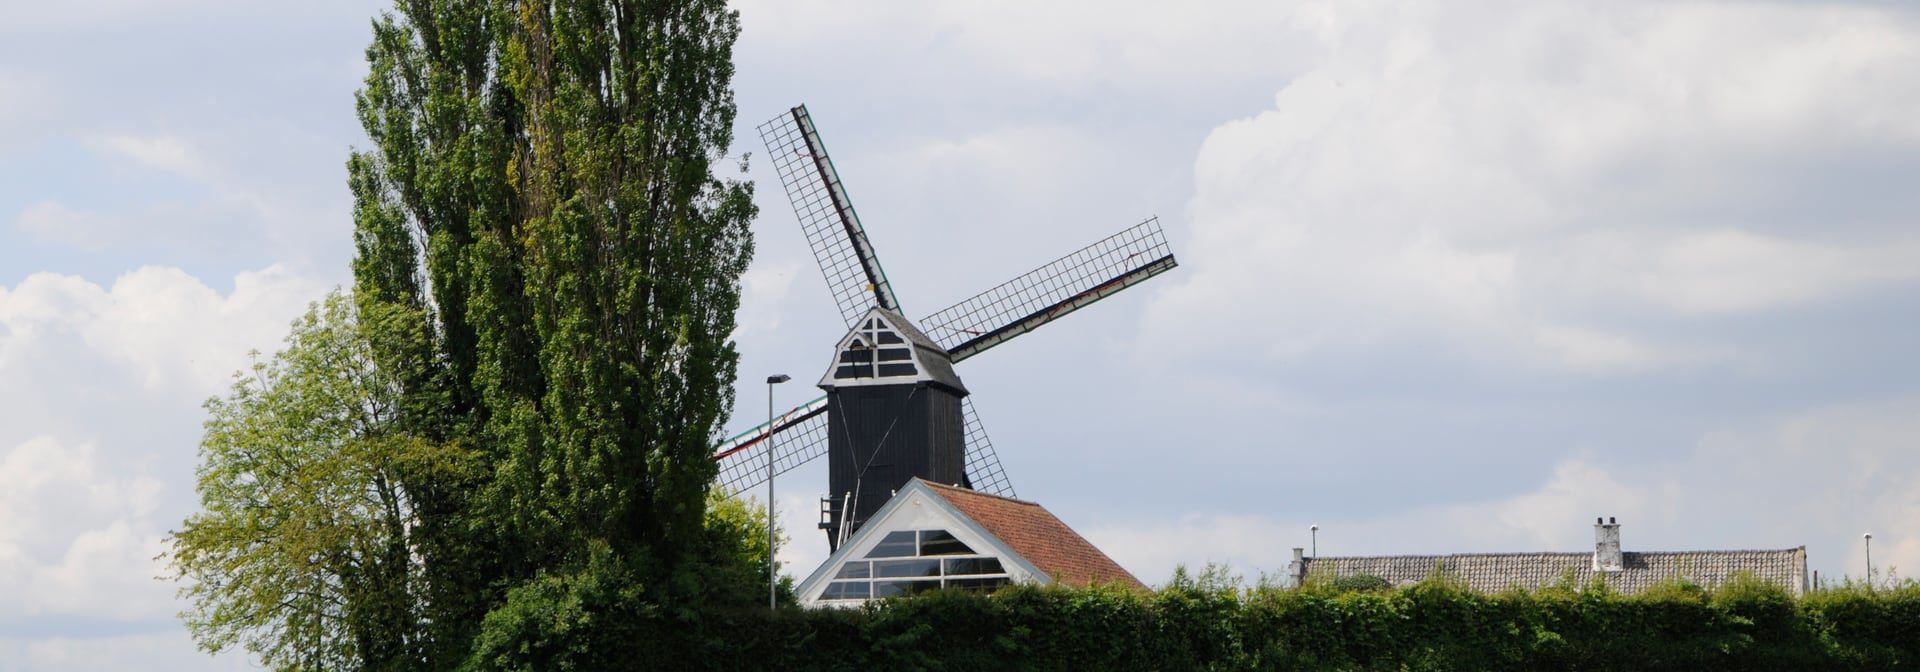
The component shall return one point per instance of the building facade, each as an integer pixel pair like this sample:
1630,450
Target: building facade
1624,571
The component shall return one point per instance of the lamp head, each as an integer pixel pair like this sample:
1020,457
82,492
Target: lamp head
778,378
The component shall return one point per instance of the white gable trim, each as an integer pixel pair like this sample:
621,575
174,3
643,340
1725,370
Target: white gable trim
917,507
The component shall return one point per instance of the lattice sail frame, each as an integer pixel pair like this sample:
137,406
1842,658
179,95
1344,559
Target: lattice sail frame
799,436
1052,291
827,218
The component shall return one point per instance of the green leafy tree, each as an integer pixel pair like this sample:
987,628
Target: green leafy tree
543,186
518,403
304,552
307,550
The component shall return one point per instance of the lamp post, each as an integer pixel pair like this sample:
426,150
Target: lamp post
773,580
1868,537
1314,530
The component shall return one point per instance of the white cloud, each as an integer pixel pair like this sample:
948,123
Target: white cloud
1732,270
77,539
164,153
1068,43
1818,478
164,324
55,222
1510,178
763,290
202,208
168,651
100,386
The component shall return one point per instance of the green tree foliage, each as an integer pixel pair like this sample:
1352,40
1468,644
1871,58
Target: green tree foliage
546,272
307,554
543,184
596,617
304,550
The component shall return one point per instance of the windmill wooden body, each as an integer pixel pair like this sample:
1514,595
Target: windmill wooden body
895,409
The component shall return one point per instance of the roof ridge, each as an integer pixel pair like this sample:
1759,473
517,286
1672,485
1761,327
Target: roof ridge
969,491
1446,555
1573,553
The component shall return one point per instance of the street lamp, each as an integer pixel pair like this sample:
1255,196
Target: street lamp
1315,531
773,580
1869,539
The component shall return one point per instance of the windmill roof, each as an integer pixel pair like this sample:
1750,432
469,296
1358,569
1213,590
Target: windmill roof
1494,572
933,358
911,331
1038,536
931,362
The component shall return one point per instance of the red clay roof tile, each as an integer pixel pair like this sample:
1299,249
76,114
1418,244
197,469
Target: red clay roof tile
1038,536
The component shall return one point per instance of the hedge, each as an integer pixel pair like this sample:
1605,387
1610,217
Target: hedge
1429,626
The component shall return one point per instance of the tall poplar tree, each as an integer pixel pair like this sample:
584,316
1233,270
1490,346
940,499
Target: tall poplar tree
543,185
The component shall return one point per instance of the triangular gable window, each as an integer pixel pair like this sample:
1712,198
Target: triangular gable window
875,350
905,562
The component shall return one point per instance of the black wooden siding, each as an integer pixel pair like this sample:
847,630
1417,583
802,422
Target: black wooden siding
882,436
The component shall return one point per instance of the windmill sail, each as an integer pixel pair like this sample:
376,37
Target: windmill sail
1052,291
983,466
798,436
832,228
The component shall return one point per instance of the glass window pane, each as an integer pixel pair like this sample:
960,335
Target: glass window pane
906,568
977,585
846,590
894,545
893,588
939,542
856,569
964,566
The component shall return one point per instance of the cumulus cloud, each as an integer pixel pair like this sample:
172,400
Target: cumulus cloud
163,324
1140,43
1542,180
164,153
171,651
100,386
77,539
1818,478
56,222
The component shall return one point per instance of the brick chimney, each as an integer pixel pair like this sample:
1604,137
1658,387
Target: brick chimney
1606,546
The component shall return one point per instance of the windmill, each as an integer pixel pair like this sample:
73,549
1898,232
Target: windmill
894,409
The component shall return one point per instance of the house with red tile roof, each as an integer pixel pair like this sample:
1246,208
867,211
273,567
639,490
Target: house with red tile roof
930,537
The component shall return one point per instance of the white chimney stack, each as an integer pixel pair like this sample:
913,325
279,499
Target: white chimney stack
1606,546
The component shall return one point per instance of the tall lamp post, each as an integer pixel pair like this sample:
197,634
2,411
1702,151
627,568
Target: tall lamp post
1315,531
773,580
1868,537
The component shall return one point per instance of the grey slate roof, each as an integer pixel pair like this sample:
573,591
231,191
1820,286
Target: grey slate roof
934,361
1494,572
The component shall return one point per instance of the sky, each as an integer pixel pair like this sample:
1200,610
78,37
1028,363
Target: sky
1454,277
